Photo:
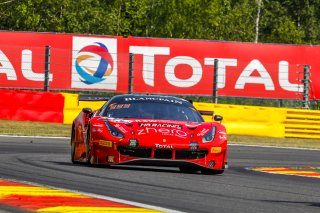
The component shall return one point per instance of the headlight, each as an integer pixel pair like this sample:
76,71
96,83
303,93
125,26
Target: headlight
209,136
114,131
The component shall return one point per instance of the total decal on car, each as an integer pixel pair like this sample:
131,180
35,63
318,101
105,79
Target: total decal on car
149,130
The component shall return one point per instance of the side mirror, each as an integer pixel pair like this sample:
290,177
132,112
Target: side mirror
217,118
87,110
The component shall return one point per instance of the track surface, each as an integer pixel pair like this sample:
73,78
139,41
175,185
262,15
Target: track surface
47,161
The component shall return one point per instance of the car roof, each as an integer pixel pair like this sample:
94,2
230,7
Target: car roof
129,98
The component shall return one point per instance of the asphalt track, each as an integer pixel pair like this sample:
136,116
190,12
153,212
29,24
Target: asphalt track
47,161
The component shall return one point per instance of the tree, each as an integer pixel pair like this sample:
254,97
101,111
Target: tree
276,26
306,15
281,21
238,22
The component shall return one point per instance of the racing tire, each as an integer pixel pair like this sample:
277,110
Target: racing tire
88,151
73,147
206,171
187,169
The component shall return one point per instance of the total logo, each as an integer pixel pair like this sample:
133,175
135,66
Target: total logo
246,76
161,146
93,63
100,72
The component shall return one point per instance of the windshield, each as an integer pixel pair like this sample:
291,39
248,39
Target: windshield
151,110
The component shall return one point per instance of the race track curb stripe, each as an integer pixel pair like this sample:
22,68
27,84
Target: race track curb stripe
298,171
44,199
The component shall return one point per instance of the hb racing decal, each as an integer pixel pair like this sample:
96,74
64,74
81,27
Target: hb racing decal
160,125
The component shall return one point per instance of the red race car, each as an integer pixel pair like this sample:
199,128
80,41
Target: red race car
149,130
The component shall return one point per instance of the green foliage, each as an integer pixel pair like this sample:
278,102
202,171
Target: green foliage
281,21
277,26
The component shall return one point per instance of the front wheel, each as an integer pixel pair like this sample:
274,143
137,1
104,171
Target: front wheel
90,160
73,147
88,150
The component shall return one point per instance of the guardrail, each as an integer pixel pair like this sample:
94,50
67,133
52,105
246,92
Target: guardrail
266,121
248,120
302,123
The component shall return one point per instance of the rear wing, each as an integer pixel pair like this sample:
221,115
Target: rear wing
93,98
209,113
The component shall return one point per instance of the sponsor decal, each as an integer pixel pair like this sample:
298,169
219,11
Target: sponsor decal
163,146
98,125
105,143
97,130
123,130
164,131
167,100
222,132
160,125
147,121
216,150
93,64
203,132
222,135
119,106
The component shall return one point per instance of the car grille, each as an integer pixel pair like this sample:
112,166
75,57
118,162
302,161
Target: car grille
135,152
163,153
191,154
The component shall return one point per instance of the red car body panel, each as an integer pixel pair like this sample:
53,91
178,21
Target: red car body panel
145,141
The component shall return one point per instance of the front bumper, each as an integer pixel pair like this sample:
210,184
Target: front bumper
202,157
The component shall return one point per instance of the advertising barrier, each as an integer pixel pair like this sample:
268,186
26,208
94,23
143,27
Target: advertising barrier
165,66
31,106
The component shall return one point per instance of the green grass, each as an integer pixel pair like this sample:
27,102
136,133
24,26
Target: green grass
27,128
270,141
